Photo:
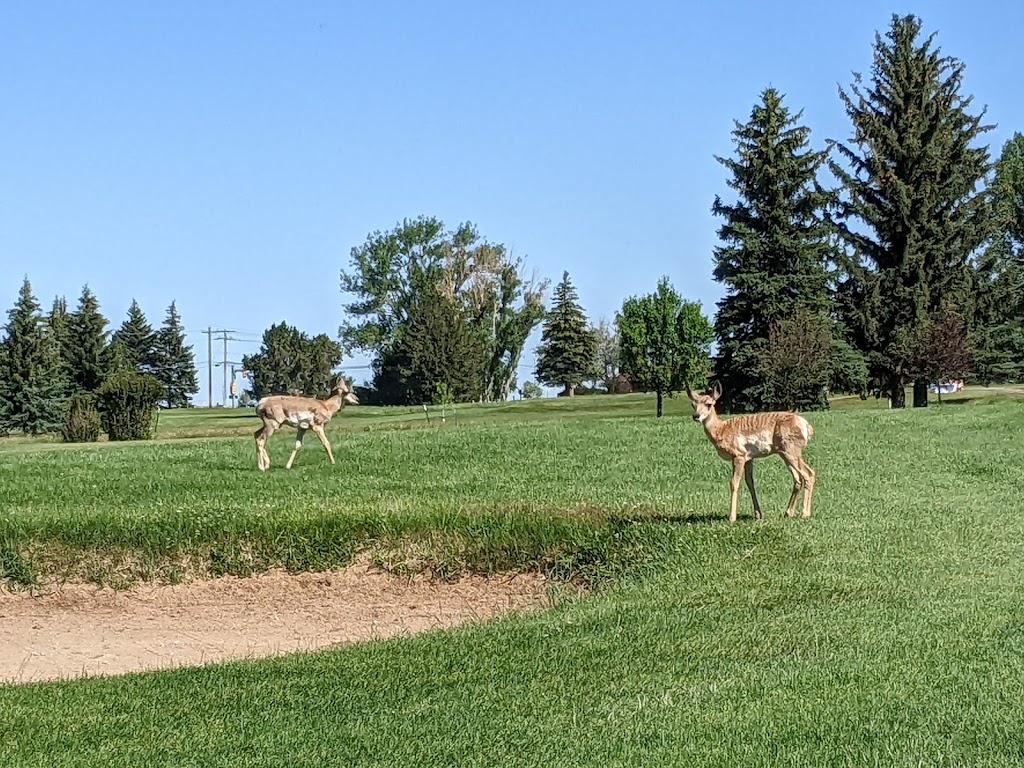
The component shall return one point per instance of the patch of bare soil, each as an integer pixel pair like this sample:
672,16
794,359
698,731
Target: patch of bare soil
77,630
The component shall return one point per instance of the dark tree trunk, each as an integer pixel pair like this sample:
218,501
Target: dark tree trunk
659,404
897,395
920,393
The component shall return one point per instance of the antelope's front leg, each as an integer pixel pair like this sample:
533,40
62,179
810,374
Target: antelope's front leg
737,478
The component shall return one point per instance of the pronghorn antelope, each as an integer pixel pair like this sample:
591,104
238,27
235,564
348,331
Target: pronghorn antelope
742,439
303,413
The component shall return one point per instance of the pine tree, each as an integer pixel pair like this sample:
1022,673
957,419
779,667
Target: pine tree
58,324
31,396
999,310
139,340
568,350
912,215
775,248
290,362
87,342
174,363
440,348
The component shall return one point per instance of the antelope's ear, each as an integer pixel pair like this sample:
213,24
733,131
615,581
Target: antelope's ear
690,393
716,391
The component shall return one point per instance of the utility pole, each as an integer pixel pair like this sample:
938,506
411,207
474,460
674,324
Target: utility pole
209,357
209,361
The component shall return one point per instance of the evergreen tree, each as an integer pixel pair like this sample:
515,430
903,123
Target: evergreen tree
665,342
775,248
174,363
139,340
58,324
440,349
568,350
31,389
999,310
912,215
118,358
87,342
290,362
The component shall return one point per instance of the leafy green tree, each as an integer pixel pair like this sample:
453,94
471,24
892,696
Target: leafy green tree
479,278
31,390
666,342
999,309
942,346
567,354
174,362
912,214
290,362
87,343
775,247
608,353
139,340
531,390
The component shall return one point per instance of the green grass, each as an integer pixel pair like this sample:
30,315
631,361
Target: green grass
887,630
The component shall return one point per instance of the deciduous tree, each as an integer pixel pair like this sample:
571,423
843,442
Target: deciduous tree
666,342
479,278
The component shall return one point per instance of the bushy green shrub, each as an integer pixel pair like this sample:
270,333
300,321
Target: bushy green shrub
82,421
128,402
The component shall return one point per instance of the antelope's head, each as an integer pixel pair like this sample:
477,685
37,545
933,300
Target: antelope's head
342,390
704,402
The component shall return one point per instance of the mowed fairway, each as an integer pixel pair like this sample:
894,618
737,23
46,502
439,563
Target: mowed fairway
887,630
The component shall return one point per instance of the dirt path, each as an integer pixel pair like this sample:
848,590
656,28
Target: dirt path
81,630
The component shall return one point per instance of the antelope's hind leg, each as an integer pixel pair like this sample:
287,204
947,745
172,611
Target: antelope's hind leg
748,474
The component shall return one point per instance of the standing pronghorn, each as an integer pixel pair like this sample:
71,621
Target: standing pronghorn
745,438
303,413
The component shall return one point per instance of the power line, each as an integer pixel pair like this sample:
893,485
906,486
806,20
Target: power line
209,359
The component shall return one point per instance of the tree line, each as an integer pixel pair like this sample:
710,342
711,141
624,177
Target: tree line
54,365
906,268
905,271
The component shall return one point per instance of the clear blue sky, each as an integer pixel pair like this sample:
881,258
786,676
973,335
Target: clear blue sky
229,155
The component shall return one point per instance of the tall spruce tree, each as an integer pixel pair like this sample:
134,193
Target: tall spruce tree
31,389
999,311
174,363
139,340
87,342
58,324
912,214
775,251
567,354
